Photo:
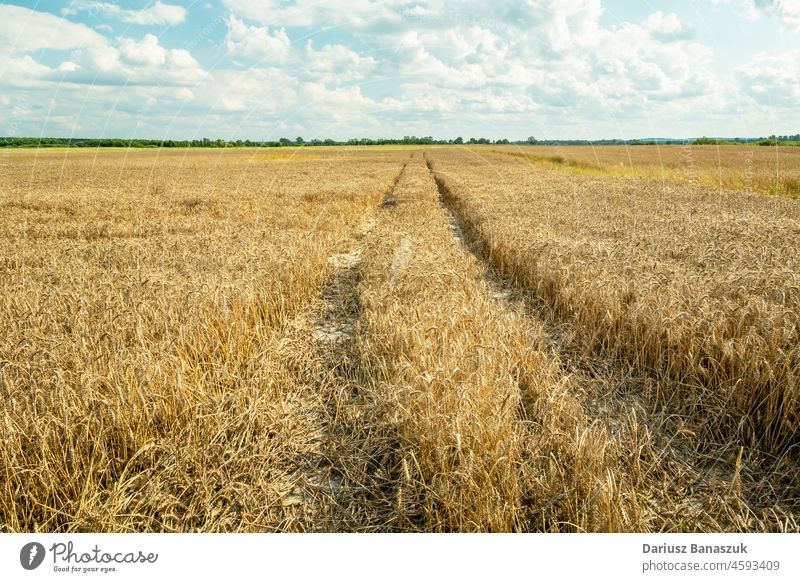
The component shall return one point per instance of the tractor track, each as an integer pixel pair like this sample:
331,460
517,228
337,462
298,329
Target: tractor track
617,396
343,477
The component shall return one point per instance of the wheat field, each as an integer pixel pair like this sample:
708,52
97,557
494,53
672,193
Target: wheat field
399,339
747,167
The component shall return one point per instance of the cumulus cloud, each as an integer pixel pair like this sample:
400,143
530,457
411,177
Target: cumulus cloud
273,94
413,59
772,80
257,42
133,62
558,53
153,14
93,58
787,11
336,63
450,64
145,52
667,27
21,71
356,13
23,30
265,90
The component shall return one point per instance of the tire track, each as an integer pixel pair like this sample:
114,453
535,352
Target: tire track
616,396
344,477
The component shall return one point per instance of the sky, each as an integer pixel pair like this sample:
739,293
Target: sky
264,69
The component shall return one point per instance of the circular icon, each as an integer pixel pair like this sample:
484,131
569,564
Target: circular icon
31,555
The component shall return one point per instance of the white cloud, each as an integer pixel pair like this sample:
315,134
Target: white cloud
146,52
257,42
356,13
149,53
667,27
181,59
336,63
556,50
21,71
266,90
571,24
334,100
271,92
414,60
153,14
134,62
772,80
68,67
184,94
635,67
428,68
558,54
94,59
787,11
23,30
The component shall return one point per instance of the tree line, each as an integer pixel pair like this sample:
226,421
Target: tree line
406,140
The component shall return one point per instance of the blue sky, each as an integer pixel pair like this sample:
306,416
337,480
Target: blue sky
262,69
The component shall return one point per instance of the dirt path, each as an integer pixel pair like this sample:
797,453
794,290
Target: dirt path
335,485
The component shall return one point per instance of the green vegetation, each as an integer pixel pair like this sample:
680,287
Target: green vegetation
774,141
27,142
709,141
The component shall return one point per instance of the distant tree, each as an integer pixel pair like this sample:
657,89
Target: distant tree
472,140
708,141
285,141
459,140
531,140
299,140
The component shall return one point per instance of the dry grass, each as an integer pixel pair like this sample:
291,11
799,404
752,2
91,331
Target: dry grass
225,341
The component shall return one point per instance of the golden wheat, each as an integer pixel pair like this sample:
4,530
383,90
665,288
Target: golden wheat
141,303
747,167
685,282
329,340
